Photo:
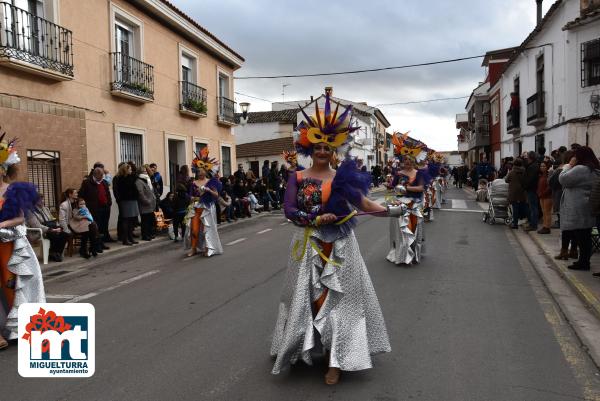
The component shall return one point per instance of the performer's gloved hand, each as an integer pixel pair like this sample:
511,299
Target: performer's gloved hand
326,218
396,211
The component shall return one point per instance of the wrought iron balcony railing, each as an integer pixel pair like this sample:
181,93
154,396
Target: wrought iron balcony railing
226,110
193,98
132,76
513,119
535,109
28,38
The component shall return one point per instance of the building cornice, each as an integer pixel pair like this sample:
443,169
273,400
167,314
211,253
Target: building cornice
200,36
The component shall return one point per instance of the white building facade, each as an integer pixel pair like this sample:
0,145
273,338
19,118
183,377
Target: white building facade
553,75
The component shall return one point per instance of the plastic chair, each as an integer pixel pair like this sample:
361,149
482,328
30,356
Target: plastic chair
44,241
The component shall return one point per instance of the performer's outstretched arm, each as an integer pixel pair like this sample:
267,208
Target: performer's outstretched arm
367,205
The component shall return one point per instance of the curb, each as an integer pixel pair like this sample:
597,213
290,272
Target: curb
589,299
74,263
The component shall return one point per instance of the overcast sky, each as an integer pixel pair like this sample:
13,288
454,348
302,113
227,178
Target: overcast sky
314,36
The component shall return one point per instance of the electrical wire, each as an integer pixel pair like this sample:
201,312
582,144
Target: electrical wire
324,74
362,71
370,107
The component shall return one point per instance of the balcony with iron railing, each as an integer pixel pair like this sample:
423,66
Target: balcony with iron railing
513,121
226,109
131,78
34,44
193,99
536,114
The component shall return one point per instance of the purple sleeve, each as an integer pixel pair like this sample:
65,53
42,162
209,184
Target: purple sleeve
290,203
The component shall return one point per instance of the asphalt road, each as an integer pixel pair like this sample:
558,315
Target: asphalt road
471,322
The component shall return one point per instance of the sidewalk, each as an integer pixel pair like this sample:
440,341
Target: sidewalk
583,283
118,250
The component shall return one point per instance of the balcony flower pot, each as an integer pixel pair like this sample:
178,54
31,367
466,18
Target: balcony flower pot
195,106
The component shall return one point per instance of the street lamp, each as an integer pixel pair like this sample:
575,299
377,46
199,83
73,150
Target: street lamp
244,106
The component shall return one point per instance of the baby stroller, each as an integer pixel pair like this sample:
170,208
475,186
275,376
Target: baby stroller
499,207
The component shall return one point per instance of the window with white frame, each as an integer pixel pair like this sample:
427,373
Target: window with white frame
225,161
224,85
131,148
590,63
188,68
495,111
127,34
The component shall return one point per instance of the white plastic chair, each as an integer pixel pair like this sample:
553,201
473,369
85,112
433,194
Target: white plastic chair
44,241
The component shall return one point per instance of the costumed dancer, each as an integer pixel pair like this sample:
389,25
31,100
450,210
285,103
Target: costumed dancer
328,299
291,158
204,191
20,274
406,231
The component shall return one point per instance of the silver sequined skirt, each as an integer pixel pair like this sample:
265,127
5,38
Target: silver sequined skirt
29,287
406,247
349,324
209,238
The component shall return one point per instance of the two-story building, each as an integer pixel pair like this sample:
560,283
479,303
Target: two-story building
268,133
548,85
111,81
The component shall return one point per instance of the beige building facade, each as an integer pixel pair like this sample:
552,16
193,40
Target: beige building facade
112,81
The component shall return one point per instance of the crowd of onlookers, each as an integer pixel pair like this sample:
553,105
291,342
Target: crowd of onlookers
560,190
84,213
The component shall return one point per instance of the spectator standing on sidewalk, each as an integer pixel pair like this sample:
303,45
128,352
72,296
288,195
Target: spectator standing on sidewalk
265,169
577,179
240,174
94,190
127,199
544,193
146,204
557,191
180,207
532,173
157,181
516,193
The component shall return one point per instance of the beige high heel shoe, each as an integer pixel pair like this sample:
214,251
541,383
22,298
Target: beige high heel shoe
332,376
3,343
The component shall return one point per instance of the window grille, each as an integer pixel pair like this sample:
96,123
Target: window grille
43,170
132,148
590,63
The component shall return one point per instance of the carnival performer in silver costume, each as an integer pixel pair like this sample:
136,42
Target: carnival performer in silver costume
406,231
328,299
202,235
20,274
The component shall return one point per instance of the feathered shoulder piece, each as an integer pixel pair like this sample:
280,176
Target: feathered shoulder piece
20,197
349,186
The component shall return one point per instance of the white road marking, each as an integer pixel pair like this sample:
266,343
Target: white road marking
113,287
236,241
284,223
60,296
265,231
459,204
483,205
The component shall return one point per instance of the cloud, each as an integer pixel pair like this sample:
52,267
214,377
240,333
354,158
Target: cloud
313,36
